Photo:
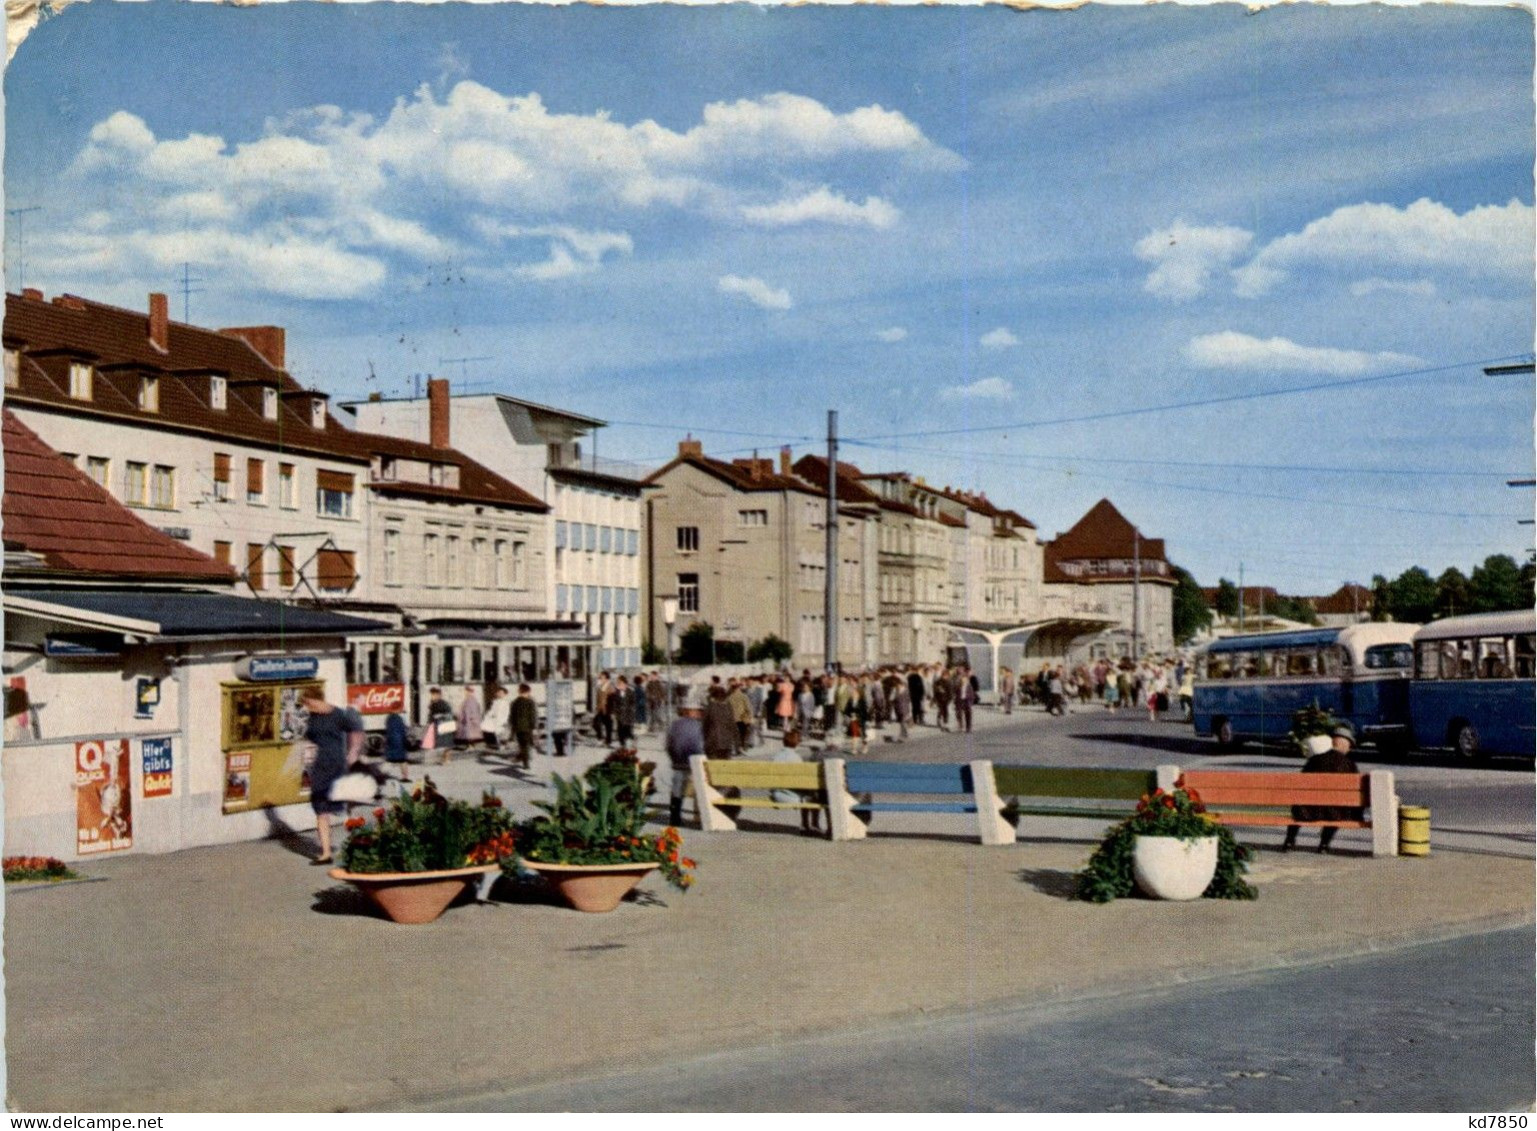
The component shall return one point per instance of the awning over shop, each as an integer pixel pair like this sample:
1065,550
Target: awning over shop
180,614
992,647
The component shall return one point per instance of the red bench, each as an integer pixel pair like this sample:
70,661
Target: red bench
1246,797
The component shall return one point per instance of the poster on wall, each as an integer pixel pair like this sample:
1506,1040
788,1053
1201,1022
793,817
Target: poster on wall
237,779
103,797
156,753
146,698
266,757
376,698
292,717
558,704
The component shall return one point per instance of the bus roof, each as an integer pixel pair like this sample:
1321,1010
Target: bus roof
1293,638
1480,624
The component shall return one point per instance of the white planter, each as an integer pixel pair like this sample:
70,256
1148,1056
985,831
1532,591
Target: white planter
1317,743
1166,867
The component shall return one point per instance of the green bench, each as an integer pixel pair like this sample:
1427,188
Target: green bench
1092,794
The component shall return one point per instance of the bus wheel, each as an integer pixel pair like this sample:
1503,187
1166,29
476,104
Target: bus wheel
1224,733
1465,741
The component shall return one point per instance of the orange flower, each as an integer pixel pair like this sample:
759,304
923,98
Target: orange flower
355,822
379,813
687,863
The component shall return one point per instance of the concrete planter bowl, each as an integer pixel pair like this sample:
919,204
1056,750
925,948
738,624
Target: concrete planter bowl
1166,867
591,887
413,897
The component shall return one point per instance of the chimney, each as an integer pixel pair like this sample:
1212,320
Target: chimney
437,411
159,323
690,447
784,461
268,341
69,302
32,293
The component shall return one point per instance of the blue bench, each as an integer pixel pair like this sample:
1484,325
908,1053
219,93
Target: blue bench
965,789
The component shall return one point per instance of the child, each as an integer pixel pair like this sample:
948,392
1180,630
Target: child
811,819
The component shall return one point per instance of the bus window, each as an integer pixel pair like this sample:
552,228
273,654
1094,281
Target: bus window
1333,662
1493,658
1219,666
1301,661
1427,662
1526,646
1456,659
1383,656
1245,665
1272,664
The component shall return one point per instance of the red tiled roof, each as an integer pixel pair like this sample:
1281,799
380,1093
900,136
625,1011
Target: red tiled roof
117,342
57,512
951,520
813,469
1102,533
738,474
1346,599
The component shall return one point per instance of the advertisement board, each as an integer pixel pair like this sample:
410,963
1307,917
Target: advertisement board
558,705
157,760
103,796
266,757
377,698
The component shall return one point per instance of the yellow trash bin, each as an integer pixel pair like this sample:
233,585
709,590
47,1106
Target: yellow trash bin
1413,830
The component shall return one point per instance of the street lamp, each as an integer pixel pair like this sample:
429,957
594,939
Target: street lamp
670,618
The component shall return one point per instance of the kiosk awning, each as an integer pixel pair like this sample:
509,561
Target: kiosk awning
182,615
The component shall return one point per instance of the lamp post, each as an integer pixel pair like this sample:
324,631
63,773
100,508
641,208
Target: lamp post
670,618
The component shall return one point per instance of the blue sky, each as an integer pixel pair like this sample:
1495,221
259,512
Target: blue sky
1001,244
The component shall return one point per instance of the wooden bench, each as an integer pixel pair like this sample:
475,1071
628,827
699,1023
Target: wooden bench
1247,797
972,781
1094,794
713,775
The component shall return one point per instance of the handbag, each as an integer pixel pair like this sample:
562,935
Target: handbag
354,787
446,728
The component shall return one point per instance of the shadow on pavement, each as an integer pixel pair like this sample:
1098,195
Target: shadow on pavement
1050,881
289,837
342,900
1172,743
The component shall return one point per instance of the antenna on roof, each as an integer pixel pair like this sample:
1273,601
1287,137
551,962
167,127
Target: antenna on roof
463,364
21,241
188,290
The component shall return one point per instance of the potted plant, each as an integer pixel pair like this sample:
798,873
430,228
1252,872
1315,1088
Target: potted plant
1311,728
589,844
1170,849
418,855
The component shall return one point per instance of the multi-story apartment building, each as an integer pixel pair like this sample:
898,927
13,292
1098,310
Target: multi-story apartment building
742,546
1103,566
1001,561
859,594
594,519
915,557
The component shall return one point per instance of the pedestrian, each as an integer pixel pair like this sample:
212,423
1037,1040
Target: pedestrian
494,725
877,703
523,719
784,708
469,718
440,724
902,709
741,711
331,730
719,725
916,693
756,699
944,689
621,708
805,707
1006,691
1056,696
642,707
602,722
395,743
1335,760
685,739
965,698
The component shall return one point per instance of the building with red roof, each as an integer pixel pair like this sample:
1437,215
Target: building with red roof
1105,565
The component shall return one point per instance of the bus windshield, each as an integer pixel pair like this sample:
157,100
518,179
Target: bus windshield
1382,656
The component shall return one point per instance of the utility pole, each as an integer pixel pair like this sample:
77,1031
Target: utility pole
830,604
1136,593
1240,597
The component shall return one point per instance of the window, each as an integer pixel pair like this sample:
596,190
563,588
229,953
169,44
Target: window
221,476
222,553
99,469
688,540
752,518
1389,656
270,403
288,487
80,375
480,563
12,368
218,396
256,482
431,564
135,481
317,414
162,487
1494,658
519,564
392,555
254,574
149,394
451,560
336,570
285,567
688,592
333,493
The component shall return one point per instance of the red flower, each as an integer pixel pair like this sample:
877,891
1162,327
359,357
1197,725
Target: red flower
355,822
1168,802
379,814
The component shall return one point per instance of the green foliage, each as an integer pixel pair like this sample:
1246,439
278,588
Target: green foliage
1453,597
1412,596
1178,814
729,651
598,818
32,869
1307,723
1497,585
650,654
1190,612
1293,608
426,832
697,644
770,648
1227,598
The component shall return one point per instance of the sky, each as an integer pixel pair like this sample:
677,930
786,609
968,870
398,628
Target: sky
1238,271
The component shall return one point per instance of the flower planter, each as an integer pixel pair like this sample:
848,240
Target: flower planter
1167,867
591,887
413,897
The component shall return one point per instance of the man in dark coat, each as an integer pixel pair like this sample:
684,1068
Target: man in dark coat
523,719
915,695
1336,760
720,733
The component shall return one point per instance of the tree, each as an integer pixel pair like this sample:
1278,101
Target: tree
650,654
1496,585
1382,598
1412,596
1293,608
1227,598
697,644
770,648
1452,593
1190,611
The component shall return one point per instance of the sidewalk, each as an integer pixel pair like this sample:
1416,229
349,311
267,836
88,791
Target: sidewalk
241,978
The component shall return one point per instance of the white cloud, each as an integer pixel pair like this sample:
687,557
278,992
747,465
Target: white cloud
1413,287
892,334
825,206
984,389
1230,349
1426,236
1000,339
755,291
571,251
1185,256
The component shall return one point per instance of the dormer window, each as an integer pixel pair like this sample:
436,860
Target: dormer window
12,368
317,414
270,403
80,376
149,394
217,393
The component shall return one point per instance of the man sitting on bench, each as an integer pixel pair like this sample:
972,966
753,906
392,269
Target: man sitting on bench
1335,760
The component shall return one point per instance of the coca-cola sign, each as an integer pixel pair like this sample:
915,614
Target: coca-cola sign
376,698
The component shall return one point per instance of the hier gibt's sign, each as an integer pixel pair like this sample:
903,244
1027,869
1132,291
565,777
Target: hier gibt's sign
271,669
376,698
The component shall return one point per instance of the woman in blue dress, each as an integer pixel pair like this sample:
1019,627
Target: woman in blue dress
330,729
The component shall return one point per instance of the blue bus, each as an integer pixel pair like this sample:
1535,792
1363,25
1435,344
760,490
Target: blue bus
1247,687
1473,689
